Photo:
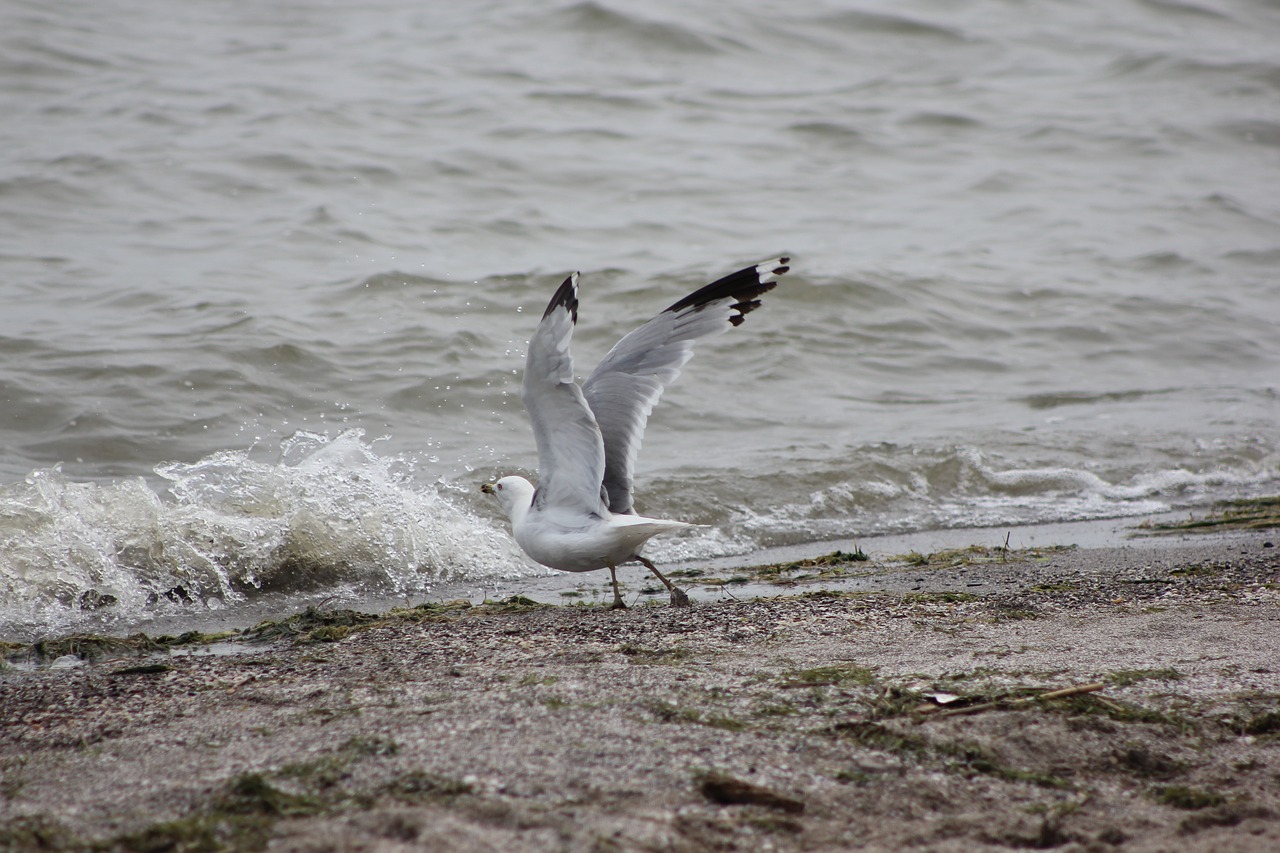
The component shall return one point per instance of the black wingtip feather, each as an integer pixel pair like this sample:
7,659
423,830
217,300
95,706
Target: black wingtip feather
745,286
567,296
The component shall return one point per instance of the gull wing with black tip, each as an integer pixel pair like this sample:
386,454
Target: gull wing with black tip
571,460
623,389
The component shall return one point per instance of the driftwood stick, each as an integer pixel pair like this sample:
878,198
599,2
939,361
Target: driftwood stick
1062,693
1070,691
1108,703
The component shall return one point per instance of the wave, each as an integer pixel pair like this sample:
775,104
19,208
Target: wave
890,489
332,516
888,24
327,514
603,22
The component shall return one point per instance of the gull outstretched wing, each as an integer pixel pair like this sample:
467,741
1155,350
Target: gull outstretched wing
571,458
626,385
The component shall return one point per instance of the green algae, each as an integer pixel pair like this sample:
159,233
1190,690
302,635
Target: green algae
240,817
1126,677
977,555
830,676
1240,514
313,625
1189,799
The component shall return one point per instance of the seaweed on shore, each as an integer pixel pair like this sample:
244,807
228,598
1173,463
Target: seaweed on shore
827,565
1240,514
312,625
978,555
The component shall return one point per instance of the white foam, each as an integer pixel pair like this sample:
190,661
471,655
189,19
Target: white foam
327,513
699,543
959,487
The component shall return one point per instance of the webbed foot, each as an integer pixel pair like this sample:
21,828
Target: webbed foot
678,598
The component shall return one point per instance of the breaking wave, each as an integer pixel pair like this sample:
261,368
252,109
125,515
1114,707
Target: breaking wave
326,514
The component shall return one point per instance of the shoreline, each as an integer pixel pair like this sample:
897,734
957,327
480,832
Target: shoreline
819,719
711,579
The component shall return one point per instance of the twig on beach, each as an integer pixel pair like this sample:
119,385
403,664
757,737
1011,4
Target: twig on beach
933,711
1071,691
1109,704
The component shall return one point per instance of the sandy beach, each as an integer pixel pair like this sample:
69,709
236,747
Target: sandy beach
1093,699
980,503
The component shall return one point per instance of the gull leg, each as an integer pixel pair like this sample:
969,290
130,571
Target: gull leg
678,598
618,603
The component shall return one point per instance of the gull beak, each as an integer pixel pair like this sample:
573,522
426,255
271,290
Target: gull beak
487,488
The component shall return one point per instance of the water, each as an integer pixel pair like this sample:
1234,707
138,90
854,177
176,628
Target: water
267,273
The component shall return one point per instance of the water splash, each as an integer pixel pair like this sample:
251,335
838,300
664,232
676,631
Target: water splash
328,513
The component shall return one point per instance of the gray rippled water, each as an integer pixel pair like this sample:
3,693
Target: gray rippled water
267,271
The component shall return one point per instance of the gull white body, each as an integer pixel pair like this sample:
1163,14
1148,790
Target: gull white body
581,516
559,538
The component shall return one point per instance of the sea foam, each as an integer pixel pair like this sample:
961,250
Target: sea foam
327,513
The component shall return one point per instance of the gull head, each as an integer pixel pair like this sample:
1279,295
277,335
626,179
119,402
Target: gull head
511,492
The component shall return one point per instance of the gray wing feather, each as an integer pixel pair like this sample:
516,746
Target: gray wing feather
571,460
626,385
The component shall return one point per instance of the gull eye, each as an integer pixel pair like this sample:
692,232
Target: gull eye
499,487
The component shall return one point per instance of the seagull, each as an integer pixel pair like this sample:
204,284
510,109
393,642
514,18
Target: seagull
581,516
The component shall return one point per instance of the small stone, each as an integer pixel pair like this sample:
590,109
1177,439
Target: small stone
728,791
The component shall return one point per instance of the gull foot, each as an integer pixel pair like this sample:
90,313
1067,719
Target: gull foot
678,598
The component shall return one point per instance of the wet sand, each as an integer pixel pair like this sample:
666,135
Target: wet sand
825,718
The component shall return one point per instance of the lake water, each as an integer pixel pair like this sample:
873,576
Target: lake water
267,272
